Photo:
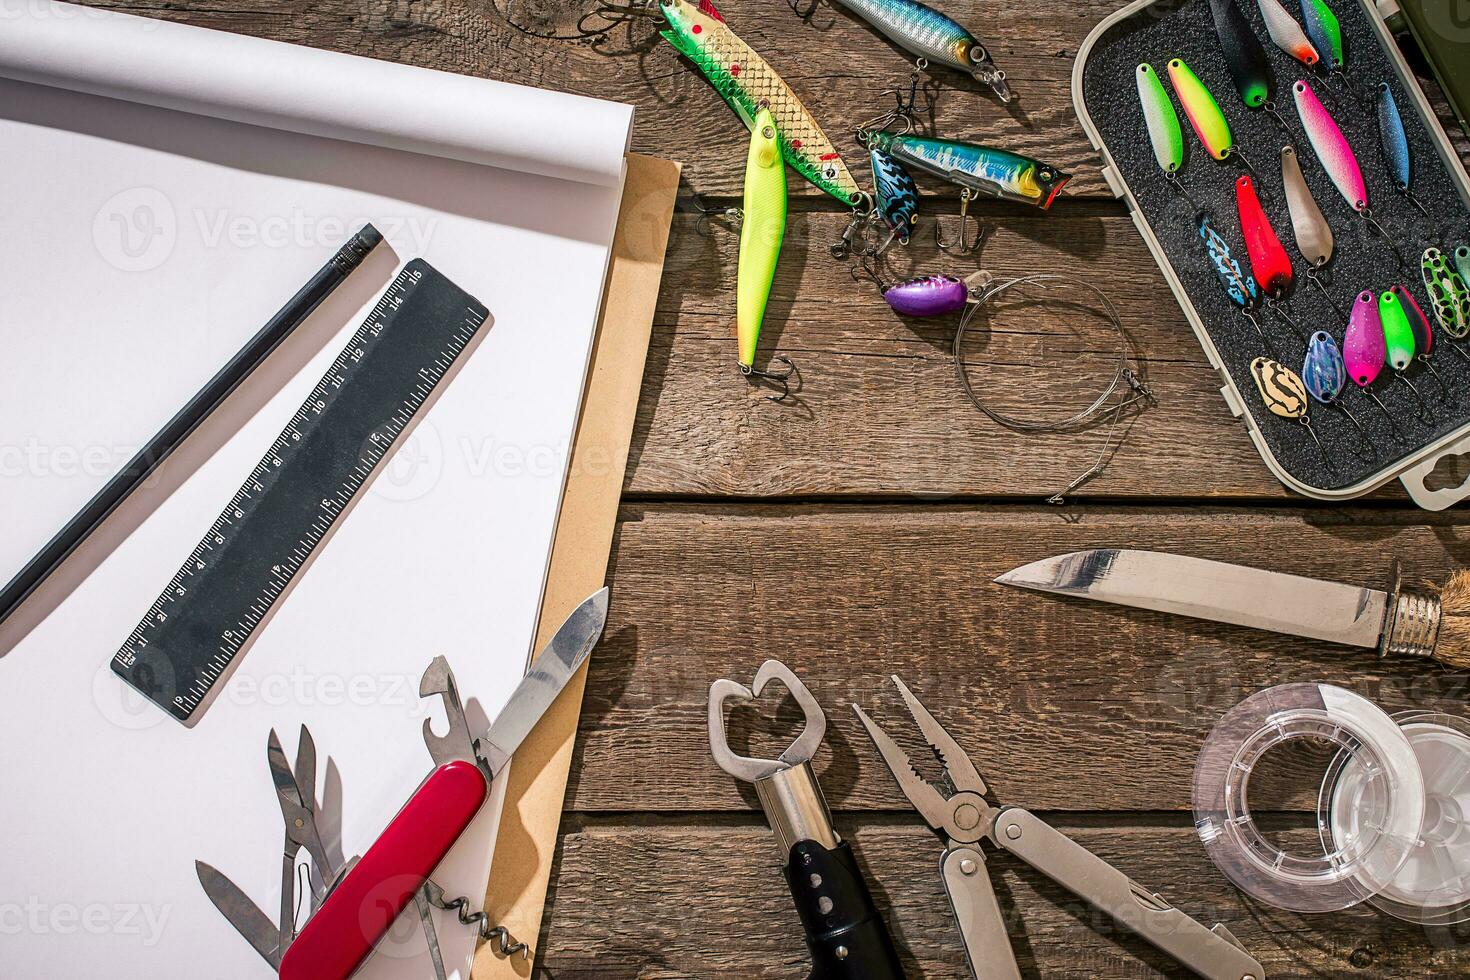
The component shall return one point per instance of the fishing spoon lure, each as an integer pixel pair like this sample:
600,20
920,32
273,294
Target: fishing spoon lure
1239,286
1314,239
1336,156
1398,339
1325,30
1423,332
1287,34
1448,296
761,232
1285,396
1394,141
1325,375
1165,134
747,82
1205,115
1270,265
1246,59
932,37
1462,263
1364,349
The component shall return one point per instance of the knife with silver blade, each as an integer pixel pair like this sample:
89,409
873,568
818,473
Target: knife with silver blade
247,918
1428,623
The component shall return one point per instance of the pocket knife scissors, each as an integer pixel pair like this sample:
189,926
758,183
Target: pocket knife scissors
964,819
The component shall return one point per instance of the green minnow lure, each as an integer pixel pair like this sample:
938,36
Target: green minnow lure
926,33
746,82
978,169
1204,113
761,231
1162,121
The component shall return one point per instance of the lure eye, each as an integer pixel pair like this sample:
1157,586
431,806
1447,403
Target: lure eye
768,133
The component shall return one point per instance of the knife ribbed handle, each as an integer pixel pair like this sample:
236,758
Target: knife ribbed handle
847,937
359,910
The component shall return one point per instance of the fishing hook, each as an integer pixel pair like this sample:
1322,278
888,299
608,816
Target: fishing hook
1316,279
1366,213
1270,107
1173,181
708,213
961,245
782,378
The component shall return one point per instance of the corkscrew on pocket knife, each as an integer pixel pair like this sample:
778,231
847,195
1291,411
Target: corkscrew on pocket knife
965,818
352,909
847,937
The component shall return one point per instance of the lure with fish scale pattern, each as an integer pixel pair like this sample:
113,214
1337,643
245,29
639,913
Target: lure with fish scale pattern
926,33
982,169
746,82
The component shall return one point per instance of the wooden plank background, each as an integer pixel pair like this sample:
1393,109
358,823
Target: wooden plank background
854,534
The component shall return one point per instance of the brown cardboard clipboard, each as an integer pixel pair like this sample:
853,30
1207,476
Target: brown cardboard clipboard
526,843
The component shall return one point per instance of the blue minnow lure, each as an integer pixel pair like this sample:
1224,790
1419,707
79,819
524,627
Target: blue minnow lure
926,33
1239,285
1323,371
1394,140
897,196
978,169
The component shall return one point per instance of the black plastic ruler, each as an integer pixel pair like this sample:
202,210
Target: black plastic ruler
195,630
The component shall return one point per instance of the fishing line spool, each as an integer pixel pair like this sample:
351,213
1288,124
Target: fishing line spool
1393,814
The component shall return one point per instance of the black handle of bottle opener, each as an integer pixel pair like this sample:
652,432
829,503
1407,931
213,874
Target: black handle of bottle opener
846,935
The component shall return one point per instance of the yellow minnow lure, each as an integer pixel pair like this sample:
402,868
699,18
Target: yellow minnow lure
746,82
761,231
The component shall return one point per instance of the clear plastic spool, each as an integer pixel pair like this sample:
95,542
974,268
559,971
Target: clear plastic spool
1361,860
1433,886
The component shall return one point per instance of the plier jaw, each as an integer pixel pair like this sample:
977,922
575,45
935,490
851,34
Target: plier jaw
962,817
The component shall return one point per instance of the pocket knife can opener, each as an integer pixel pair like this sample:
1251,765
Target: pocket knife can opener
847,937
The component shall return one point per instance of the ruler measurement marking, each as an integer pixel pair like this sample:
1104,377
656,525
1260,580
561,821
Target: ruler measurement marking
279,489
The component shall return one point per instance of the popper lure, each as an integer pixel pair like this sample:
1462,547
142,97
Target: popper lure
1394,141
1337,157
1164,132
761,232
1447,295
1287,34
1205,115
746,82
932,37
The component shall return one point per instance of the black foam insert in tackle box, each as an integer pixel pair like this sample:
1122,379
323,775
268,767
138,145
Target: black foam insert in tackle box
1105,91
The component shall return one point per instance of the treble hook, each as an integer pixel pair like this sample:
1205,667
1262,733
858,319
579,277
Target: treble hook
782,378
708,214
961,245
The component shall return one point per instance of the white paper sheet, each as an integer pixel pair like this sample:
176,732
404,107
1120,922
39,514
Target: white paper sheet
142,246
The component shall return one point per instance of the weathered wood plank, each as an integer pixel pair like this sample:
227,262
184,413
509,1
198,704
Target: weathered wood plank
675,900
1065,704
881,411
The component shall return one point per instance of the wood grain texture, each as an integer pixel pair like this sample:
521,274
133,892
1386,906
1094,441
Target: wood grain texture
672,901
1065,704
